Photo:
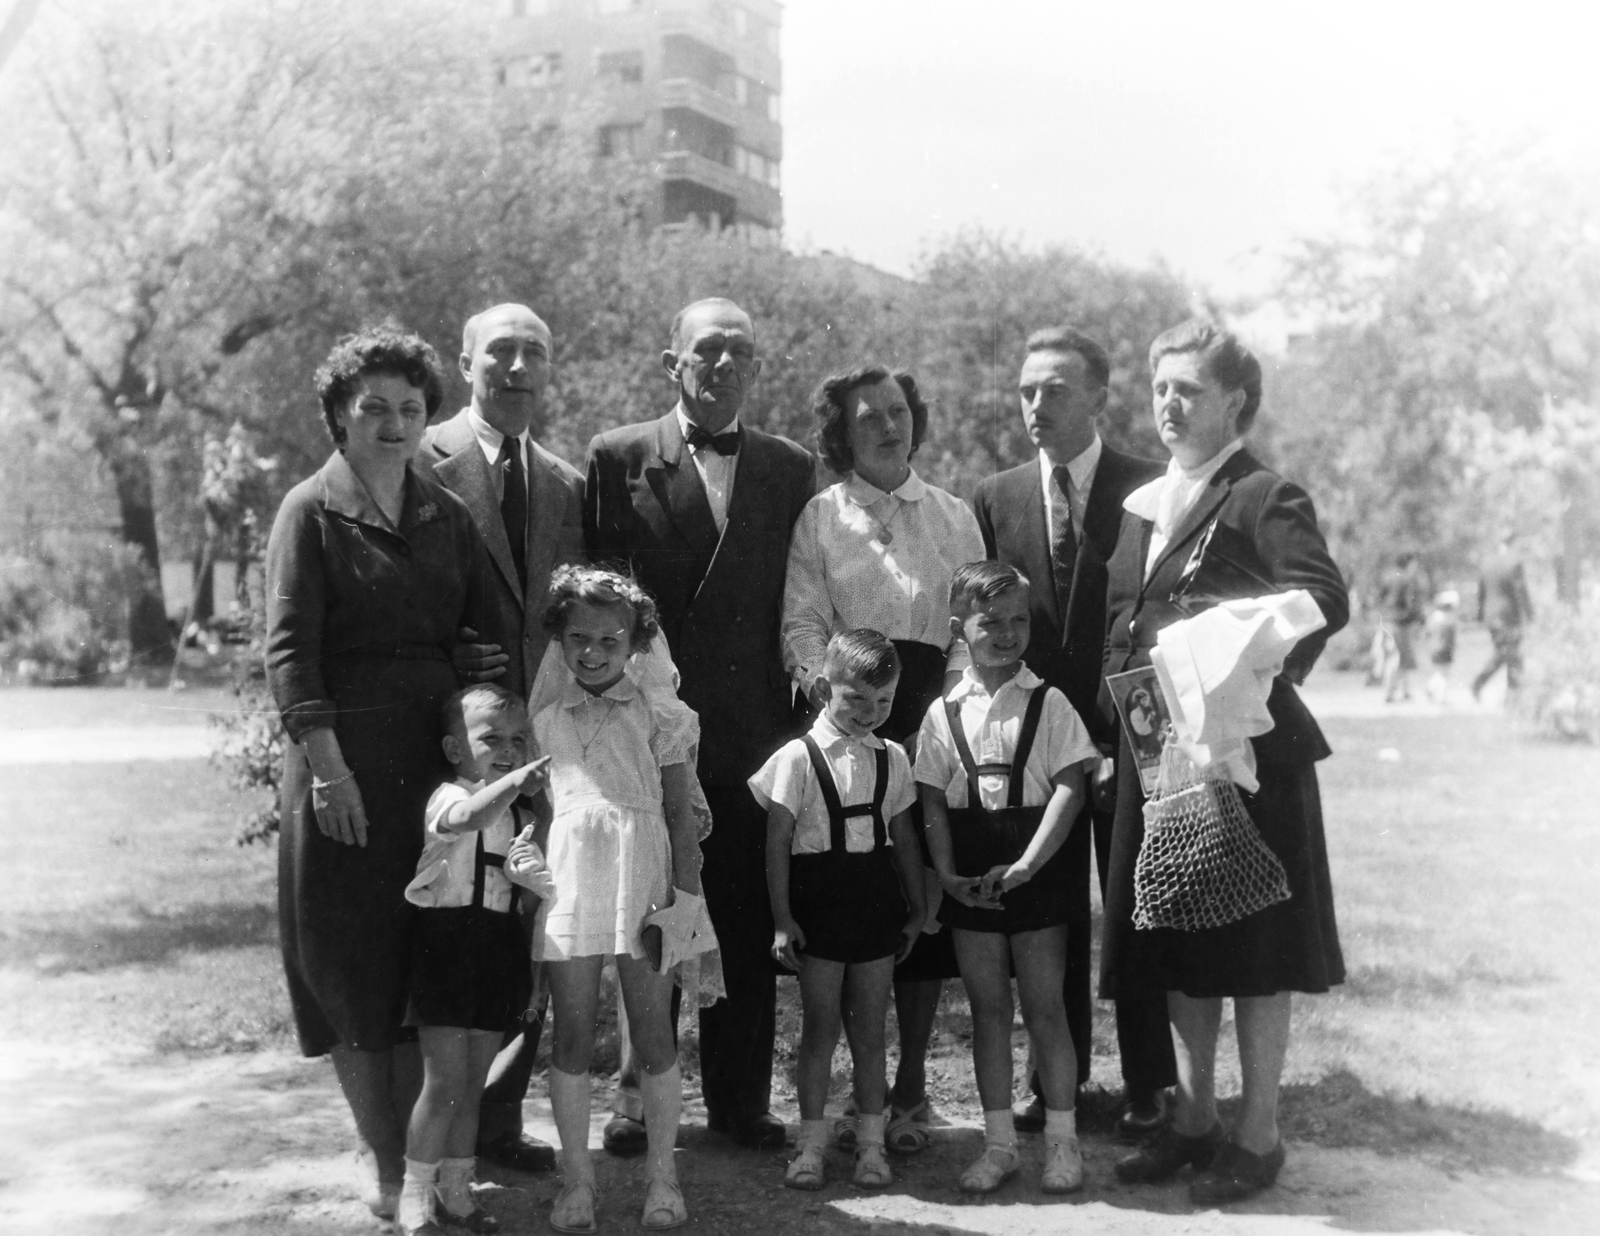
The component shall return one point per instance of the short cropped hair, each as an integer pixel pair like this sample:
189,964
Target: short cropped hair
1071,339
831,404
600,587
1229,363
721,302
976,583
488,696
386,348
863,653
469,332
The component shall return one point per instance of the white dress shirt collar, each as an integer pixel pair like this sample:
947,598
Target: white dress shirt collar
1024,680
1164,500
491,439
827,735
1080,467
865,493
685,425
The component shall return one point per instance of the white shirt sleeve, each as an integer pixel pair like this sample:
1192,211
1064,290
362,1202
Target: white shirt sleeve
1063,738
807,605
936,753
783,780
439,804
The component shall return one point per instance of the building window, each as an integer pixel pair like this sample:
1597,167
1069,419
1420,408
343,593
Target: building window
741,90
620,67
621,140
772,174
772,106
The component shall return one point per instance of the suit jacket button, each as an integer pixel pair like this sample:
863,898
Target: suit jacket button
733,669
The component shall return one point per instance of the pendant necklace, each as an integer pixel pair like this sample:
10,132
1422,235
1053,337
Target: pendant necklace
884,536
611,705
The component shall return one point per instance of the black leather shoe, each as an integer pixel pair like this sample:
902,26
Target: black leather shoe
1142,1116
763,1131
1168,1151
519,1152
624,1136
1235,1174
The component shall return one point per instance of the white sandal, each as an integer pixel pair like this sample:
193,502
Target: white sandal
1063,1167
574,1208
872,1169
663,1197
808,1169
991,1169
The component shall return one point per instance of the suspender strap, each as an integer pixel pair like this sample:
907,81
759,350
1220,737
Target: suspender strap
1012,771
1019,761
483,859
837,812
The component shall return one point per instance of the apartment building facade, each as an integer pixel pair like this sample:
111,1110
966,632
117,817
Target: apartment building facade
694,86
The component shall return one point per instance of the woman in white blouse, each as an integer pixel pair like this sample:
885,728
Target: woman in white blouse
877,550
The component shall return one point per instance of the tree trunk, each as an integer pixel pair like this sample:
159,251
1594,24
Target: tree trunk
149,635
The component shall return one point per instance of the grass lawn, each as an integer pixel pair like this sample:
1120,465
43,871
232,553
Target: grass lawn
1465,876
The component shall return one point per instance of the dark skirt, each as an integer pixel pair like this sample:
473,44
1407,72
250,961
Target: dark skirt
849,905
982,840
343,914
921,683
469,969
1290,946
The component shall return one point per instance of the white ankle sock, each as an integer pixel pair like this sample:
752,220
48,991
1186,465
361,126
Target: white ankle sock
416,1195
662,1094
869,1130
813,1133
999,1129
1060,1126
569,1102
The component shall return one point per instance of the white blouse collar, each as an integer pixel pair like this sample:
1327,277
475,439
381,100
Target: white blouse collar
574,696
865,493
827,734
1024,680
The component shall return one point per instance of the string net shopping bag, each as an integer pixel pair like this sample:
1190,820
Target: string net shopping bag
1202,863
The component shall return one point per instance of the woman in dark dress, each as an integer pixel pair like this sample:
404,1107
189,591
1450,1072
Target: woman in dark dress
1220,525
368,574
878,550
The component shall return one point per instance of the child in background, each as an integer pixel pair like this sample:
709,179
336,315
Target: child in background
844,906
1442,619
468,967
1001,764
624,846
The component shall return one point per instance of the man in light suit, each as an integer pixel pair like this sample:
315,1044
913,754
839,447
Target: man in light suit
701,509
529,507
1055,518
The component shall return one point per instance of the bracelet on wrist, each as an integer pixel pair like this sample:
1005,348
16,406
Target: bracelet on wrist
317,784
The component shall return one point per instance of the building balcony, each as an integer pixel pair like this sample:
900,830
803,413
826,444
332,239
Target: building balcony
758,201
699,27
693,96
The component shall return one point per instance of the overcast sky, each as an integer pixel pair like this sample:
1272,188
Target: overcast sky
1208,133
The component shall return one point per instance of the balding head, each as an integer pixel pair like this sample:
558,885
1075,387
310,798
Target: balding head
505,357
712,361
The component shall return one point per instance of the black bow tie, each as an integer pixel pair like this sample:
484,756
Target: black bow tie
721,443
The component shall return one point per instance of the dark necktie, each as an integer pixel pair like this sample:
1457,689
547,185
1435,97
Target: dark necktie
514,505
721,443
1063,542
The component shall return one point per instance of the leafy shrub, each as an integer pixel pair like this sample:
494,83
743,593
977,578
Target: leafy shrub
1560,695
64,613
250,740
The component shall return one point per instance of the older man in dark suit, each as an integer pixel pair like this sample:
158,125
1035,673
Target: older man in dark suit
528,505
701,508
1055,518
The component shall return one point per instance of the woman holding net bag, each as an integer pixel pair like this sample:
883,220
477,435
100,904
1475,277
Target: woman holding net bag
1219,526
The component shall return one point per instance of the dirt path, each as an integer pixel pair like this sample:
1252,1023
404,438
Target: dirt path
257,1143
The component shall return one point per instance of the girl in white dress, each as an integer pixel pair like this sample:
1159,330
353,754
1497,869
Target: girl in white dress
625,858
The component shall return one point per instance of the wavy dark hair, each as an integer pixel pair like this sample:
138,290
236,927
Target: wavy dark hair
828,405
1231,365
385,348
978,583
600,587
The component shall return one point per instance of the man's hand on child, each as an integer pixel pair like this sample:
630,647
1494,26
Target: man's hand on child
787,941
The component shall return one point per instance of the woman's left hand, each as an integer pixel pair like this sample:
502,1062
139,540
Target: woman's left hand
341,815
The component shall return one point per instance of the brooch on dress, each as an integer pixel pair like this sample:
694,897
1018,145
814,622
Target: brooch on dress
427,511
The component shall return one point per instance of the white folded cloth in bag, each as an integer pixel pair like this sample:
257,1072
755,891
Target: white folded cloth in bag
1216,671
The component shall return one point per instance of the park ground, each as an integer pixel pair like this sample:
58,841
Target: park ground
149,1081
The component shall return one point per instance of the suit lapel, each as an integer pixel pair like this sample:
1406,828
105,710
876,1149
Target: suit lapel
547,499
678,488
465,471
1030,531
749,483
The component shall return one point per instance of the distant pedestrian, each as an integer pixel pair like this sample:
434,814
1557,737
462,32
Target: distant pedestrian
1442,621
1400,598
1505,608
